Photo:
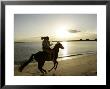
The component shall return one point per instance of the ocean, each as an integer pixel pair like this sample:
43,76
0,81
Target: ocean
22,51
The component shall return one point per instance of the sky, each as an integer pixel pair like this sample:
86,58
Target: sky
31,27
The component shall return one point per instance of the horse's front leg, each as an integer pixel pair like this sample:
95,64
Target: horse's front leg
53,66
44,71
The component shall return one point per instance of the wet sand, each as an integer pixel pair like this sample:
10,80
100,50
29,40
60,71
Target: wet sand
85,65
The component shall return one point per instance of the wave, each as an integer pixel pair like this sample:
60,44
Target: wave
71,55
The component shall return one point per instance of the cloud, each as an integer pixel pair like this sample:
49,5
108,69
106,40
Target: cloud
74,31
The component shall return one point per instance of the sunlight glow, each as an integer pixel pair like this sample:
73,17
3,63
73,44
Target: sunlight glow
62,32
65,50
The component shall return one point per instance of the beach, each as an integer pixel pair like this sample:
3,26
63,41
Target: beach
84,65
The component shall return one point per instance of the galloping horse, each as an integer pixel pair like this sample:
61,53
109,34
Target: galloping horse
42,56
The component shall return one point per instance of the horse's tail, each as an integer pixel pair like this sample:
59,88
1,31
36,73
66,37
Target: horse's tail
26,63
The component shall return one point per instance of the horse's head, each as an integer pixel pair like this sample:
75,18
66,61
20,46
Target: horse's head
59,45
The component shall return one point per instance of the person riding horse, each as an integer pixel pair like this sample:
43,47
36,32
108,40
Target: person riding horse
41,57
46,46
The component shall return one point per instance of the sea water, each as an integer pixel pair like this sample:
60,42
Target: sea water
22,51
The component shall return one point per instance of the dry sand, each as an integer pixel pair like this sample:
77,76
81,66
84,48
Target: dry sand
73,66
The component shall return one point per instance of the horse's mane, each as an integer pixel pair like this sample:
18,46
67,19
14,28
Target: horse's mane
56,45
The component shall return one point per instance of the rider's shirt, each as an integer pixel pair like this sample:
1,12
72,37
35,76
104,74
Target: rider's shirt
46,44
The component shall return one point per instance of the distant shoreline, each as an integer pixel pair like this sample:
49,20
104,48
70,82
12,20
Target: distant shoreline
74,40
60,41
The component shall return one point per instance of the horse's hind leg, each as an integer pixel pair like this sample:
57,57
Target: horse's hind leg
40,65
26,63
56,65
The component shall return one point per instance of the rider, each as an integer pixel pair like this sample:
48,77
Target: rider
46,44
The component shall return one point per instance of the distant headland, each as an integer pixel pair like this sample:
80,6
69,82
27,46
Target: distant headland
77,40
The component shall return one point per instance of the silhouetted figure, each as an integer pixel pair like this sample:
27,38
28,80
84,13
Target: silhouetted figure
87,39
95,39
42,56
46,44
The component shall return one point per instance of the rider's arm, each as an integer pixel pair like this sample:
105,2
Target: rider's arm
51,44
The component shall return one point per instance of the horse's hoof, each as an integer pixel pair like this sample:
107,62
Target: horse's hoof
42,75
20,70
46,72
49,70
55,69
54,74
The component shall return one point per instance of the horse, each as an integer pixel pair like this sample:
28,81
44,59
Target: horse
43,56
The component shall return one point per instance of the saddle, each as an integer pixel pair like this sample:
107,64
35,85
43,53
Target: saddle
49,56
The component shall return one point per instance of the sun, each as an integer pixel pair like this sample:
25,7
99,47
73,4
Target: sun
62,32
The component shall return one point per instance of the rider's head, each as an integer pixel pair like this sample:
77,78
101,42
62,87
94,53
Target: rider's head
45,38
42,38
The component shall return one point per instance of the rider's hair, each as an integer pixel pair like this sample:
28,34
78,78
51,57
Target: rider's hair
42,38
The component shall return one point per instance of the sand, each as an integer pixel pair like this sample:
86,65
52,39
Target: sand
85,65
